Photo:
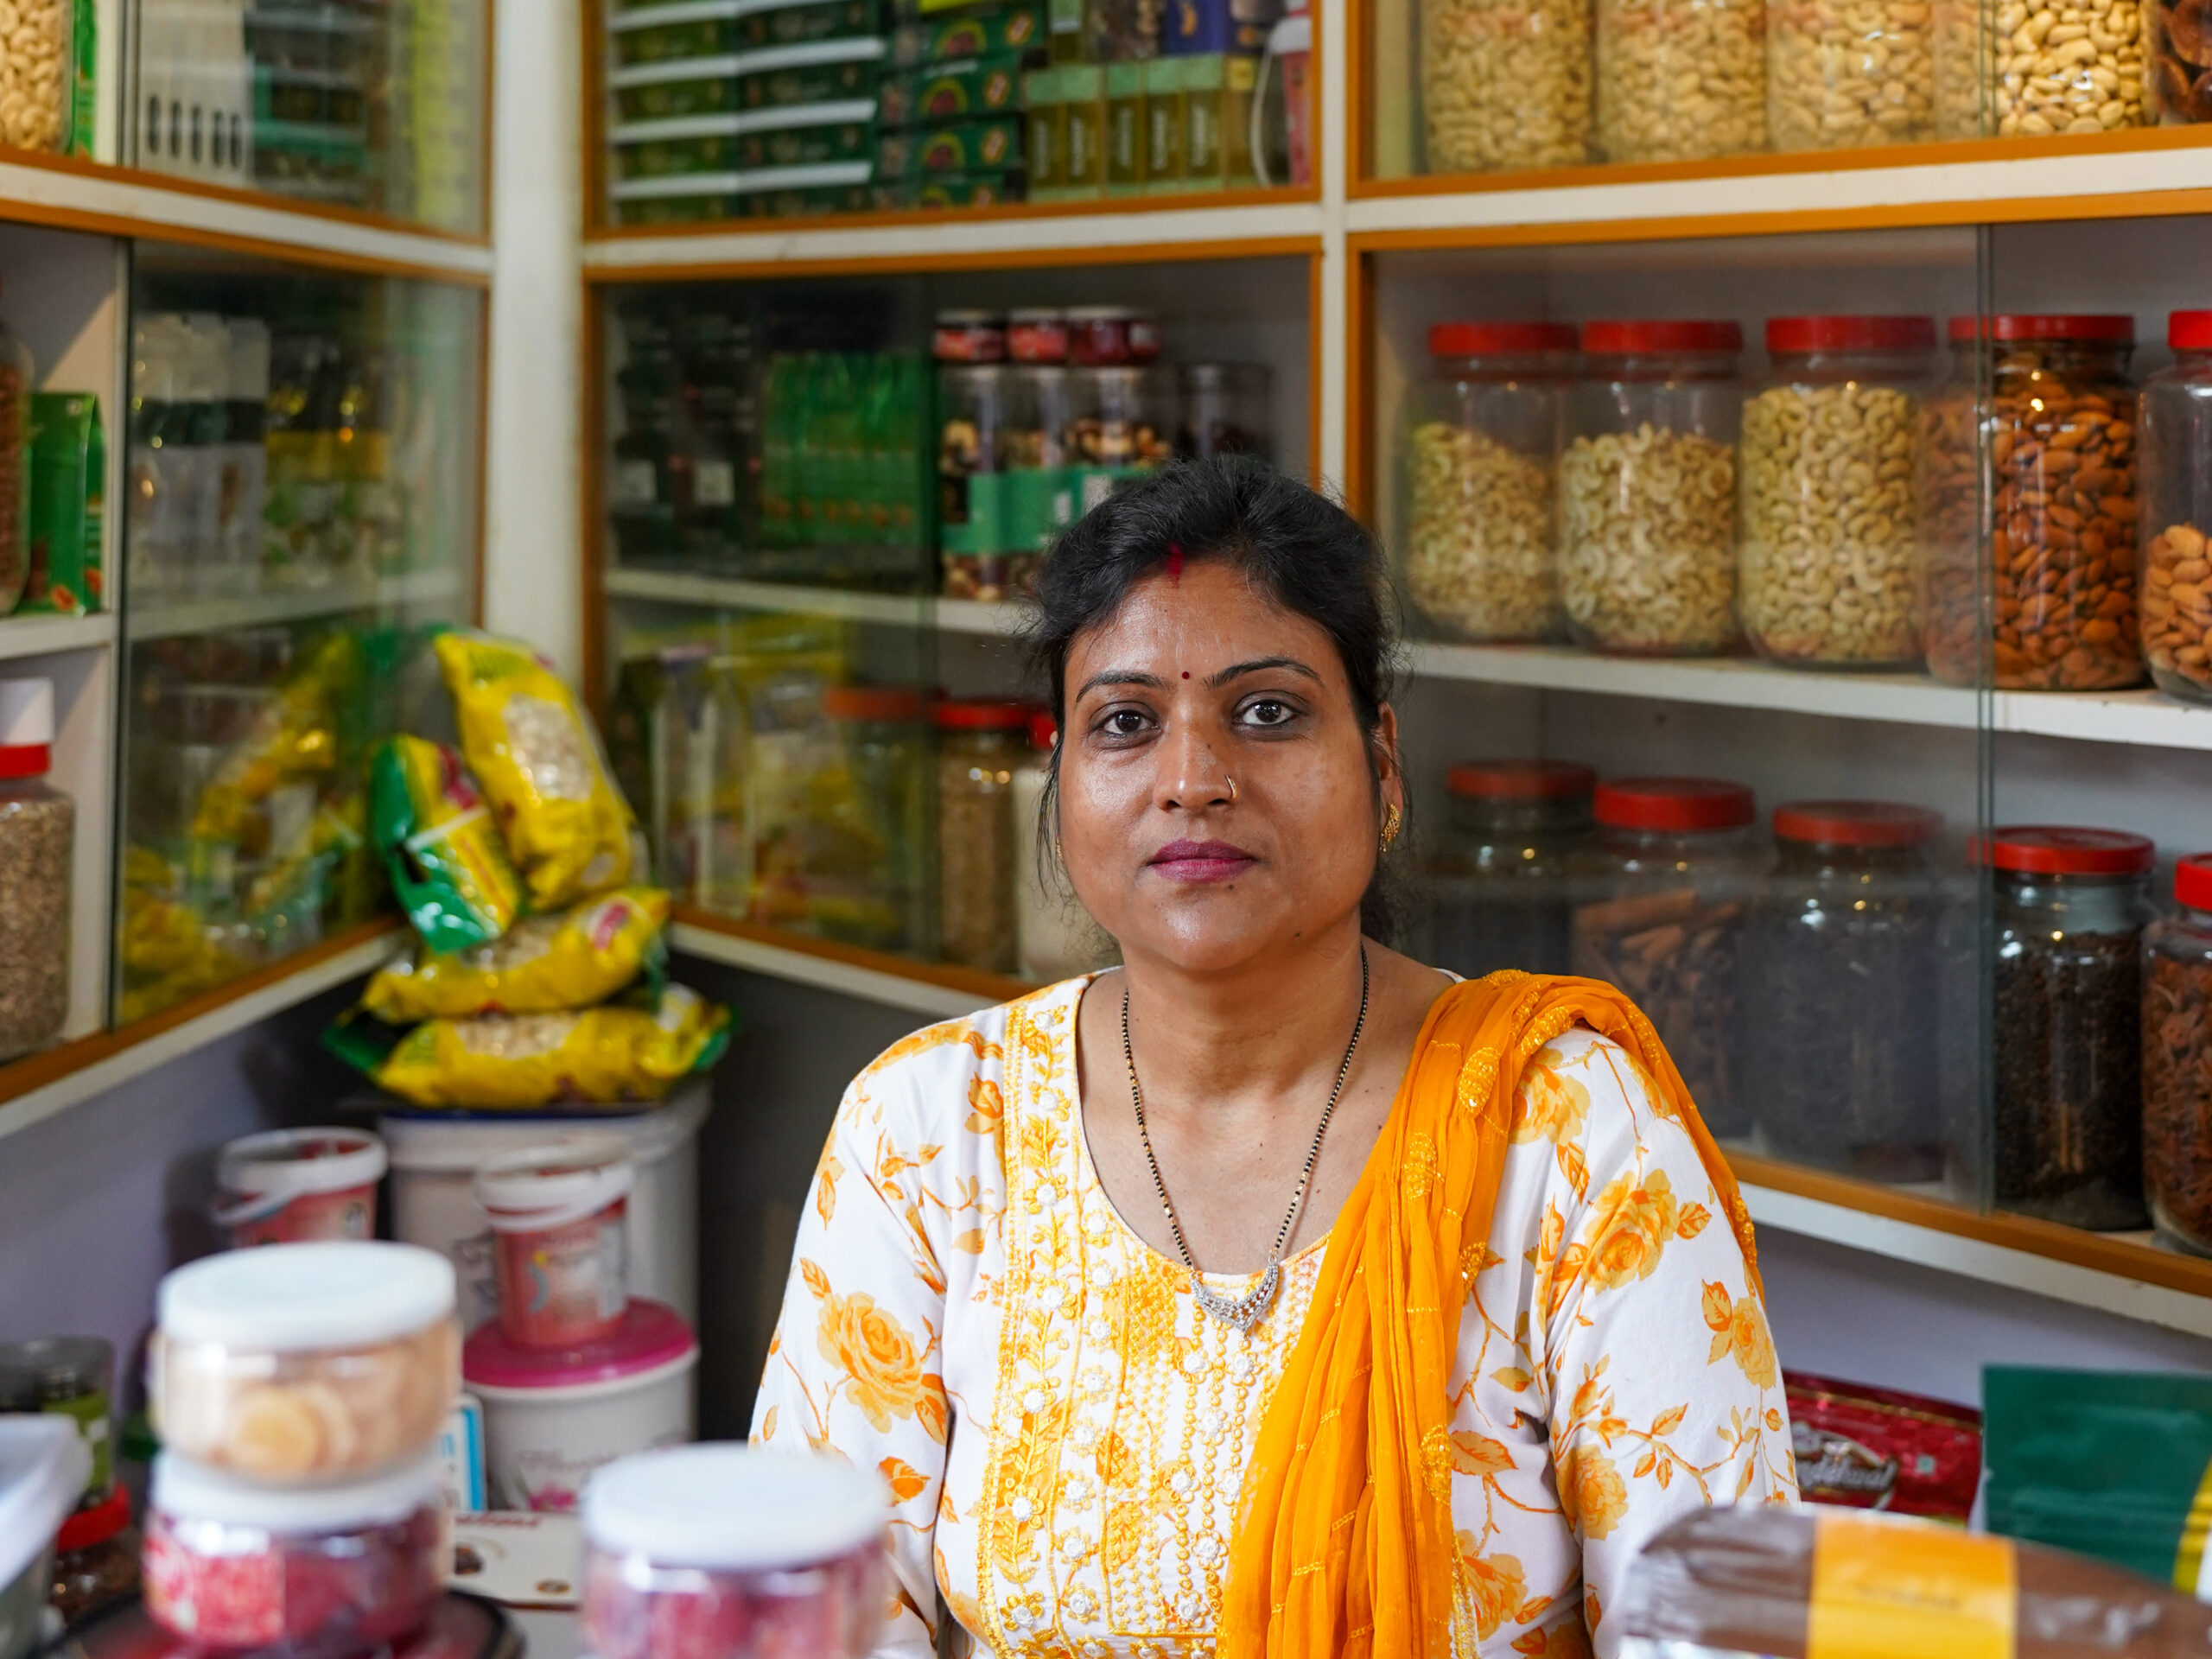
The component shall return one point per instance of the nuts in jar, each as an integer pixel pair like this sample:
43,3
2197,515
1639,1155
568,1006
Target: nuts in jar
1842,74
1681,81
1505,83
2174,473
2034,67
36,78
2177,1061
2180,48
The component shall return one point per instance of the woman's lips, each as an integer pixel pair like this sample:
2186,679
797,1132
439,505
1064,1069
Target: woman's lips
1201,861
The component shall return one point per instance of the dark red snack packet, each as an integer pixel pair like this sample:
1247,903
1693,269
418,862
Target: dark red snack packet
1860,1448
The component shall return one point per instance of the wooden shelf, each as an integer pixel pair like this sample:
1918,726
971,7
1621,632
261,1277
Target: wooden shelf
937,989
44,636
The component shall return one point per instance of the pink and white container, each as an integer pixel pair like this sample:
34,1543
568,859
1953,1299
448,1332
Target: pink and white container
559,1240
296,1187
721,1552
553,1415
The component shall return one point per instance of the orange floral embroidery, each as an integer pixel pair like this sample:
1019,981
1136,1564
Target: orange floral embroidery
1738,1327
1549,1106
1592,1493
1642,1221
883,1372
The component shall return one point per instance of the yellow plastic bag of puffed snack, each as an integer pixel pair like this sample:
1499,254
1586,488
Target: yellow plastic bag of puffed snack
569,960
630,1050
445,855
537,758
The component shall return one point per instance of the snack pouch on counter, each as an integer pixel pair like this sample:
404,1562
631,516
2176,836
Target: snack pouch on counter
537,759
448,866
544,964
631,1050
2111,1463
1858,1447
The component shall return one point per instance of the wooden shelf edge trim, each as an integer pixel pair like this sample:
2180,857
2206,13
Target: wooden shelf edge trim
892,264
602,234
966,981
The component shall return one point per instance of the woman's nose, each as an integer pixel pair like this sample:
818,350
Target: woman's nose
1193,775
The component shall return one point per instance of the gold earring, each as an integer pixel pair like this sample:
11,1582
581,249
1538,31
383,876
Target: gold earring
1391,819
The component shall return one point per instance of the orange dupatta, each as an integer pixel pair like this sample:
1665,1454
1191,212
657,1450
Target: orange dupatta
1344,1542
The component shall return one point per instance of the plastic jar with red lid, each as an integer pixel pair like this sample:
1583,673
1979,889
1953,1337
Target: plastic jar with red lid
2174,454
1098,335
980,747
559,1216
2066,1038
1479,445
968,337
1662,896
1841,980
95,1559
872,889
1496,885
1647,488
1828,567
1037,334
287,1186
2059,560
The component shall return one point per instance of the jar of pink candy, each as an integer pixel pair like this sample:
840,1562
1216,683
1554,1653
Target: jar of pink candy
721,1552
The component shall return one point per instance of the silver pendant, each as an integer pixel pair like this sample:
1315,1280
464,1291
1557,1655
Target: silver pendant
1242,1313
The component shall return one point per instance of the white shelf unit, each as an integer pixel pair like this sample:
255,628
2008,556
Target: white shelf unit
166,620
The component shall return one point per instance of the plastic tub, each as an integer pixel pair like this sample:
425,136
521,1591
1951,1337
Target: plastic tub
310,1362
703,1552
436,1155
235,1566
292,1185
553,1415
557,1226
43,1468
457,1627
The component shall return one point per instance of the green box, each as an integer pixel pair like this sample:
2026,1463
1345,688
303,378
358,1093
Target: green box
1167,123
992,146
814,20
817,72
987,188
1083,172
1218,142
67,506
1126,156
982,32
1045,130
805,142
954,92
83,81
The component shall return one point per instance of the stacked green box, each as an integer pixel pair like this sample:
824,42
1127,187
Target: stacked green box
1167,124
956,91
1127,163
808,135
1218,136
979,148
977,32
815,72
804,192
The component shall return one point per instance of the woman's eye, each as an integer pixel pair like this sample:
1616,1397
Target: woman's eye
1268,712
1122,722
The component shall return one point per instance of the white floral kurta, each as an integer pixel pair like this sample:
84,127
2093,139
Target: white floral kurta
1064,1434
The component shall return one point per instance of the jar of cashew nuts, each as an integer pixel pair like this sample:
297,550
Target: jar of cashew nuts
1646,489
1828,568
2175,569
1681,81
2027,68
1478,458
2060,430
1843,73
37,79
1505,83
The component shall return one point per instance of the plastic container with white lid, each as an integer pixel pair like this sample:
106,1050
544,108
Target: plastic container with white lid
332,1571
559,1226
721,1552
306,1362
293,1187
43,1468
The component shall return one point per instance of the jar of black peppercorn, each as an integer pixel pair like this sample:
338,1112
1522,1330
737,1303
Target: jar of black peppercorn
2066,1042
2177,1061
1840,983
1496,885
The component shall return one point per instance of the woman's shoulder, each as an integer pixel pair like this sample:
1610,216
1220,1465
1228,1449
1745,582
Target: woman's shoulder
938,1063
1584,1089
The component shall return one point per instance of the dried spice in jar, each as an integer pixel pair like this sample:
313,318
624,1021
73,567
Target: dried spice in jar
2066,1038
1479,458
1843,73
979,747
2061,556
1667,881
38,838
1681,81
1505,83
2174,469
1497,891
2177,1061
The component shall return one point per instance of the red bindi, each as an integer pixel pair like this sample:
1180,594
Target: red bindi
1186,673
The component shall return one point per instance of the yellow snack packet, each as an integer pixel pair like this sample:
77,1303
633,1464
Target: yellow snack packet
569,960
538,760
618,1052
448,861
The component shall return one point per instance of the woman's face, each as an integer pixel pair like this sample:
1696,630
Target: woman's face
1217,792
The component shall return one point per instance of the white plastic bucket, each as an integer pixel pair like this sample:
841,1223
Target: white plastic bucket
435,1158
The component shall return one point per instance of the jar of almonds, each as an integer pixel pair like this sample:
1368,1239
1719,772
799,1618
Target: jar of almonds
1478,462
2176,571
2060,427
1646,489
1828,566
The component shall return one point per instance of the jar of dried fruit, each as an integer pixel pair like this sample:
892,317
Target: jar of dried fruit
2179,46
2060,426
1662,897
1496,892
980,747
1478,457
2175,478
2177,1061
38,833
1648,489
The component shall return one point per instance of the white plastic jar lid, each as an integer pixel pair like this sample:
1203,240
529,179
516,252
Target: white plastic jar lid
734,1508
553,1185
185,1490
290,1297
283,1163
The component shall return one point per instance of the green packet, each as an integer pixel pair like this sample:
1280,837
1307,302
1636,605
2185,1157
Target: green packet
953,91
68,492
954,190
983,32
964,146
2117,1465
449,867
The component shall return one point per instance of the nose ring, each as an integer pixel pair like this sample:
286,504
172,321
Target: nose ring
1232,789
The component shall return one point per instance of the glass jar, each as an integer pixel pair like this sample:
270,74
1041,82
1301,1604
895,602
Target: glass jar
2174,446
2178,1062
18,379
72,1377
1662,895
1841,75
1037,334
1681,81
38,82
1039,492
1480,449
1998,74
1120,431
1098,336
2179,53
978,746
1495,891
38,840
2060,431
1648,489
1505,83
1840,983
95,1560
1222,410
2066,1041
971,486
690,1553
1828,564
874,885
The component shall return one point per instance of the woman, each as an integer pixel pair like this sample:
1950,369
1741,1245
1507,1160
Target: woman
1272,1294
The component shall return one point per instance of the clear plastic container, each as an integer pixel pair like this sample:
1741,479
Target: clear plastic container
42,1470
1497,889
314,1362
2177,1061
2174,478
1840,991
314,1572
1845,73
288,1187
38,839
18,380
1681,81
1828,562
1123,428
95,1560
38,80
2005,69
2061,551
72,1377
723,1552
971,484
1663,893
1479,447
978,746
559,1216
1648,489
871,886
2180,51
1039,492
1505,83
1221,410
1098,336
2067,1036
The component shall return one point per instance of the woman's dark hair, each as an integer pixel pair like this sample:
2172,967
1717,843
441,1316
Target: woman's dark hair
1299,547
